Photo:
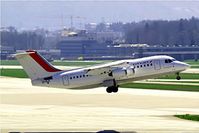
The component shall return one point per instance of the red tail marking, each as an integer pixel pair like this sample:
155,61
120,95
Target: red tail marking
42,62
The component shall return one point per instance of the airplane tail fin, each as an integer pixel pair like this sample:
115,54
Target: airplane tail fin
35,65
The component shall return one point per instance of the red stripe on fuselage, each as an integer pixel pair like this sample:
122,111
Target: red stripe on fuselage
42,62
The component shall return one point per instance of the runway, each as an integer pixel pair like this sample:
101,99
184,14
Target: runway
27,108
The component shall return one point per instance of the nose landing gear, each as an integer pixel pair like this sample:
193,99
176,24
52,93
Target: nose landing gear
112,89
178,76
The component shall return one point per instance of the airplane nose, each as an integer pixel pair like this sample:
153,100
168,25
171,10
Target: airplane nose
181,65
185,65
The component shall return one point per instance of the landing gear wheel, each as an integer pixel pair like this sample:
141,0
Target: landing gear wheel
109,89
115,89
178,77
112,89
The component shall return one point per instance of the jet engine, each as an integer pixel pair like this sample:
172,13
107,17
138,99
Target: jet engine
122,72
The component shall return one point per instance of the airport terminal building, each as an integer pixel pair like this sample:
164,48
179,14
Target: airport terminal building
75,47
143,50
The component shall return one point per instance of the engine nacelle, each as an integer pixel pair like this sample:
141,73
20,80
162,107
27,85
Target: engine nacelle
123,72
130,71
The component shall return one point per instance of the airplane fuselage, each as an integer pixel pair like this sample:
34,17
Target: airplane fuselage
133,70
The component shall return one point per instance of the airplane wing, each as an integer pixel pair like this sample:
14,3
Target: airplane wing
108,67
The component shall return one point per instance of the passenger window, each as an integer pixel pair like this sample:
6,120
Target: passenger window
80,76
74,77
140,65
137,66
83,75
144,65
151,64
70,77
77,77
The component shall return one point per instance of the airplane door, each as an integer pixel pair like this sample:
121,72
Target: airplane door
65,80
157,65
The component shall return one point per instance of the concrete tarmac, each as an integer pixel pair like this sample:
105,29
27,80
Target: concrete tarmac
27,108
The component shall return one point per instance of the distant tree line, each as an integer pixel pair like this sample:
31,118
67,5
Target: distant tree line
21,40
183,32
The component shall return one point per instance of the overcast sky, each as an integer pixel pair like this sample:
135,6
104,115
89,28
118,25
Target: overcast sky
55,14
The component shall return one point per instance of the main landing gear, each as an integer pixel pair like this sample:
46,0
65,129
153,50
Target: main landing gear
112,89
178,76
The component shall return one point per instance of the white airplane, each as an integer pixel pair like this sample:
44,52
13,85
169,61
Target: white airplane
110,75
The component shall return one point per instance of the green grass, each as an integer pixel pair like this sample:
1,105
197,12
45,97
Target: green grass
192,62
161,86
195,66
176,81
188,117
18,73
182,75
9,62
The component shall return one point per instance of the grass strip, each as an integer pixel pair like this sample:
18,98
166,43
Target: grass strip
194,66
21,73
192,62
177,81
9,62
182,75
17,73
161,86
188,117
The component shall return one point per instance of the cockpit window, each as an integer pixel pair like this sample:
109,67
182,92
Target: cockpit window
169,60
